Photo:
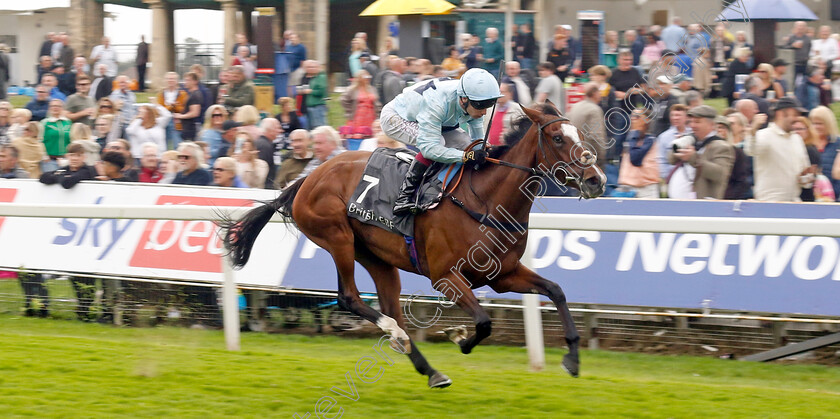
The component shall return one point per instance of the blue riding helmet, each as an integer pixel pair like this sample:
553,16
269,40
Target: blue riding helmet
480,87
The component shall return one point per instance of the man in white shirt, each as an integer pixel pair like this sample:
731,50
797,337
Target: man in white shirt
104,54
826,48
521,91
673,34
780,160
679,128
550,87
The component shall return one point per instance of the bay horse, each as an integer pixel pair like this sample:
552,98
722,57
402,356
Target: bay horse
445,237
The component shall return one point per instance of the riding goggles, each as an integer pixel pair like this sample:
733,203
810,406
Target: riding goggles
482,104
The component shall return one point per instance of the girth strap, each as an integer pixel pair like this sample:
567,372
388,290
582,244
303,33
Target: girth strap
485,219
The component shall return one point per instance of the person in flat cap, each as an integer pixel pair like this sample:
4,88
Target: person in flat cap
780,160
704,164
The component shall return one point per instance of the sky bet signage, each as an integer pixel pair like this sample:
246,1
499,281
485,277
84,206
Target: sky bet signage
790,274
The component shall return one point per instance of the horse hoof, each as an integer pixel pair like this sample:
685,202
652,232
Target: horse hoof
571,366
402,346
438,380
456,333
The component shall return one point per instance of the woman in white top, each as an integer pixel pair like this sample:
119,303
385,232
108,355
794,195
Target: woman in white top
826,49
250,169
149,126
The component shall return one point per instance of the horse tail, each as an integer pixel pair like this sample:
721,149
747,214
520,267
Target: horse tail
241,235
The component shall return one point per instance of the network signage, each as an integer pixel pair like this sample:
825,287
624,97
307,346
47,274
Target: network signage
789,274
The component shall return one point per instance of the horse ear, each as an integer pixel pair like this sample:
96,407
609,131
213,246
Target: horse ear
550,103
531,114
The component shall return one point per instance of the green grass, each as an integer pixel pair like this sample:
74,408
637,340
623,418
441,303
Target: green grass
56,368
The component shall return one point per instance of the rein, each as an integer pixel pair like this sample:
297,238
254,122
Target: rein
485,218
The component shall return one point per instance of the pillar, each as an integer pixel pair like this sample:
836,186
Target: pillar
86,25
411,38
243,24
322,31
383,32
229,7
162,48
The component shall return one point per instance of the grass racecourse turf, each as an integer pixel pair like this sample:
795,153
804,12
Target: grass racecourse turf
65,369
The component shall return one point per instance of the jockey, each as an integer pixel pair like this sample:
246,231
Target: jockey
429,115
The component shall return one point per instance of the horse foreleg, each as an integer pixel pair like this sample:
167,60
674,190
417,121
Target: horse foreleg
526,281
387,280
456,290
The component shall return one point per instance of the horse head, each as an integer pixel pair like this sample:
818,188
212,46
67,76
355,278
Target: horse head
560,149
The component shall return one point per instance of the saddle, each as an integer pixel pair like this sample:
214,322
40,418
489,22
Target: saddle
373,199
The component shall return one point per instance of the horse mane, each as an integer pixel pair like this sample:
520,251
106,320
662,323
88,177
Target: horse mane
519,127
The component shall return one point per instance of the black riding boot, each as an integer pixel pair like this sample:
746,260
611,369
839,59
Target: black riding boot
405,200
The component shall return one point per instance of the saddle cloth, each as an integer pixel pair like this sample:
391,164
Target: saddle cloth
373,200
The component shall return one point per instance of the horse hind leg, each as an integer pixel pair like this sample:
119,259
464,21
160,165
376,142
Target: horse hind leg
387,280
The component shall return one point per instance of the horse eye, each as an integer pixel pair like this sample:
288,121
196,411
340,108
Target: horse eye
558,139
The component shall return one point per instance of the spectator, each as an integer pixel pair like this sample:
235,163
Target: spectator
56,132
51,82
741,41
248,116
392,81
316,94
661,106
326,145
55,50
230,130
242,58
357,47
103,126
521,91
697,41
741,180
149,126
361,105
190,116
779,70
265,145
526,46
767,76
802,126
673,34
652,52
827,143
80,133
240,89
9,168
721,46
825,49
174,99
46,46
288,117
588,116
779,156
220,93
242,41
80,106
801,44
252,170
472,54
738,66
45,65
452,64
4,70
214,119
20,117
75,171
752,88
639,171
124,100
550,87
169,166
150,164
67,53
372,68
682,87
494,52
610,49
701,70
706,165
627,84
207,96
102,86
112,164
104,54
130,172
808,90
31,151
5,122
599,75
190,158
678,118
140,62
635,44
560,56
506,112
297,51
224,173
296,161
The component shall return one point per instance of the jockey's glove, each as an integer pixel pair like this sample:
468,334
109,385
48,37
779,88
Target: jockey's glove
475,158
